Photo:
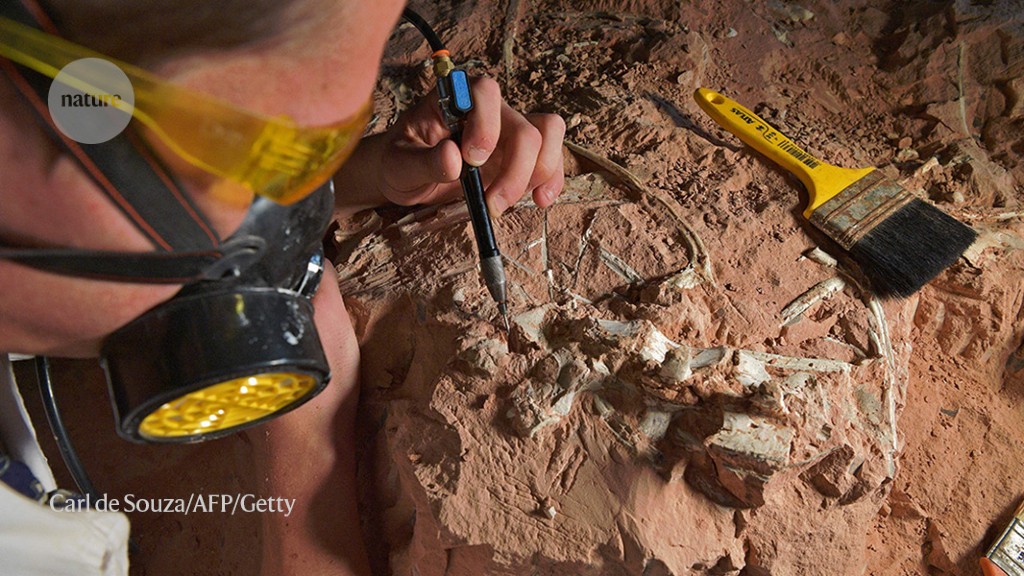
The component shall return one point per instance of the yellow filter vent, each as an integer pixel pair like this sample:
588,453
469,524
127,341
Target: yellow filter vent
226,405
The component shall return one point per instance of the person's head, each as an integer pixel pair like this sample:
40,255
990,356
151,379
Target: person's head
314,61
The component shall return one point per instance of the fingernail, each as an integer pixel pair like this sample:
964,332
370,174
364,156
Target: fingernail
498,205
476,156
547,195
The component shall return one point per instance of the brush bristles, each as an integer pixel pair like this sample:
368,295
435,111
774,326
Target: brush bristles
909,248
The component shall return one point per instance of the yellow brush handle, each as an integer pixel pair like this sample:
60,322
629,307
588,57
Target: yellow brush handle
823,180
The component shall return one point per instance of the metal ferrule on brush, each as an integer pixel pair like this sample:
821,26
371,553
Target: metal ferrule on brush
1007,552
858,209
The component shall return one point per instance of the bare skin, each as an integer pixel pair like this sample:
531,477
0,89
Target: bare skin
48,201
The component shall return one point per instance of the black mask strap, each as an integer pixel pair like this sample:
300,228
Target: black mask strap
228,259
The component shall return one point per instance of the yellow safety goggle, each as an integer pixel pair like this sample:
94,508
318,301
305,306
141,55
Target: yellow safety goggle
272,157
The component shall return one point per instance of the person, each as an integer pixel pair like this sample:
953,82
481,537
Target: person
315,61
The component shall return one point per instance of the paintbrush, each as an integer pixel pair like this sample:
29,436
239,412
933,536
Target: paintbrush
1006,555
899,241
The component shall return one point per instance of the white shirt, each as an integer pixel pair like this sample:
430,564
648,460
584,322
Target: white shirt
35,539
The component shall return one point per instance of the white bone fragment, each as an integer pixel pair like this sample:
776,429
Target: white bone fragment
812,296
616,328
676,367
655,344
708,357
750,370
794,363
685,279
604,409
821,257
532,324
619,266
754,437
652,344
655,424
564,403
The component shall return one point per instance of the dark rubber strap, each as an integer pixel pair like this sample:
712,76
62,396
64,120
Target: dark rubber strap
142,267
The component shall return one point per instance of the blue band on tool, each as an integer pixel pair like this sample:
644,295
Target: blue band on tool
462,101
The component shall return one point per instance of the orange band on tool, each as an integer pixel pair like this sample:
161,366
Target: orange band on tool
441,53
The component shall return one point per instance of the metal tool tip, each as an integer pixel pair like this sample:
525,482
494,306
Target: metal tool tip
503,308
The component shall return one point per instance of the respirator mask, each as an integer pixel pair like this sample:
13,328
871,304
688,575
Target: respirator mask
237,345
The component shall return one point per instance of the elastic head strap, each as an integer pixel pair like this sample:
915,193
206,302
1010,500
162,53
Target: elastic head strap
228,259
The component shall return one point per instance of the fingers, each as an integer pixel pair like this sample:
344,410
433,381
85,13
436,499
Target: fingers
530,148
420,165
484,127
421,171
548,176
520,145
531,160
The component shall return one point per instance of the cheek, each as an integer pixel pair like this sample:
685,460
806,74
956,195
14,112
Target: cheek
49,314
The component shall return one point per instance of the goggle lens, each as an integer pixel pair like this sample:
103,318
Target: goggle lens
272,157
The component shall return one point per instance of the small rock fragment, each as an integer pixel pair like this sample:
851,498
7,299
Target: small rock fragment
483,357
935,550
903,507
528,329
745,453
548,508
841,39
832,476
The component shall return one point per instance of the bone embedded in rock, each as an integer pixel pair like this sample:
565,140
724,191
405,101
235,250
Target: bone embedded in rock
676,367
820,291
833,475
483,356
641,336
746,452
750,370
708,357
655,424
529,327
752,441
549,393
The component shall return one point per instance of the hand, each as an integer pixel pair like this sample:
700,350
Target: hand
414,162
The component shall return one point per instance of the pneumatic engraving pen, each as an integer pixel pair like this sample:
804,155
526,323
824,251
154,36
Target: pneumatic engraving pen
456,101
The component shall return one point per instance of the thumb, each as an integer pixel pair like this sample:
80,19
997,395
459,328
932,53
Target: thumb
411,174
